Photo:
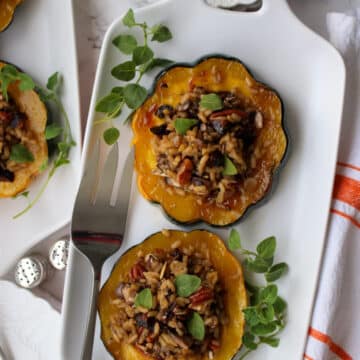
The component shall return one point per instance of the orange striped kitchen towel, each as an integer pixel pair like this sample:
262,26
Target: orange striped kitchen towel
335,327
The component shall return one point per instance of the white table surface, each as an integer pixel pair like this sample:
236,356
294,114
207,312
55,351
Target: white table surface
92,18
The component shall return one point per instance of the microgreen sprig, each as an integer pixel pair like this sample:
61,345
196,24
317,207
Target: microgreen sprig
142,61
265,315
61,135
9,74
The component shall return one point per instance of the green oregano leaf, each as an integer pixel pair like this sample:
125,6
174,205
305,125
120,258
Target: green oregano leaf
26,82
156,62
272,341
269,294
279,305
118,90
24,194
234,242
53,81
266,248
229,167
111,135
182,125
257,265
9,69
4,85
161,33
263,329
144,299
52,131
61,162
109,103
63,147
211,102
249,341
9,74
187,284
20,154
124,71
196,326
266,313
251,288
276,271
129,18
125,43
251,315
142,54
134,95
44,165
44,94
255,298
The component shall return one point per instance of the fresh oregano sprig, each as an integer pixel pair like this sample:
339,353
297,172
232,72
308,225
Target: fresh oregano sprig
10,74
265,316
142,61
61,135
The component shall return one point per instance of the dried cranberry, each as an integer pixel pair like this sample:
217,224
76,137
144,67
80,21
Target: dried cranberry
6,116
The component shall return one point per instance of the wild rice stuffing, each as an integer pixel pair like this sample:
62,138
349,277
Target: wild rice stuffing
162,330
12,131
196,160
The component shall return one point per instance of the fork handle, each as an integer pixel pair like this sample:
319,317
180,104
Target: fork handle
91,321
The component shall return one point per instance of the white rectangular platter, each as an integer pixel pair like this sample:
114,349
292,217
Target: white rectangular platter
309,76
41,41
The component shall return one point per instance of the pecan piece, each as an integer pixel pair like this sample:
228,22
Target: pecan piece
202,295
137,272
223,113
214,345
185,172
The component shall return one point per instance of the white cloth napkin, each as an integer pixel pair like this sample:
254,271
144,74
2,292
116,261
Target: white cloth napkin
335,327
29,327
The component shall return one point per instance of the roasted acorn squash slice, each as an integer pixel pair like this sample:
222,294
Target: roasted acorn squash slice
29,103
229,272
7,9
216,74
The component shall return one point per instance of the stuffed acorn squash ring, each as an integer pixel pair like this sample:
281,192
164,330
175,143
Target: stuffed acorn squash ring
208,141
176,296
7,10
23,147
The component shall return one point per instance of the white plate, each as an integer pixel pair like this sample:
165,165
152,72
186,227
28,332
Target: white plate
310,77
41,41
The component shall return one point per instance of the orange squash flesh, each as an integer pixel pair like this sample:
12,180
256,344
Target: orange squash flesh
7,9
230,275
29,103
271,142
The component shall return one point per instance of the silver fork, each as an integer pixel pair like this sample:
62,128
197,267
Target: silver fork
98,226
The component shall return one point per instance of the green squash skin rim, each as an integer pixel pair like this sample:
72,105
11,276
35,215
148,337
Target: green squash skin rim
12,19
140,243
275,174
